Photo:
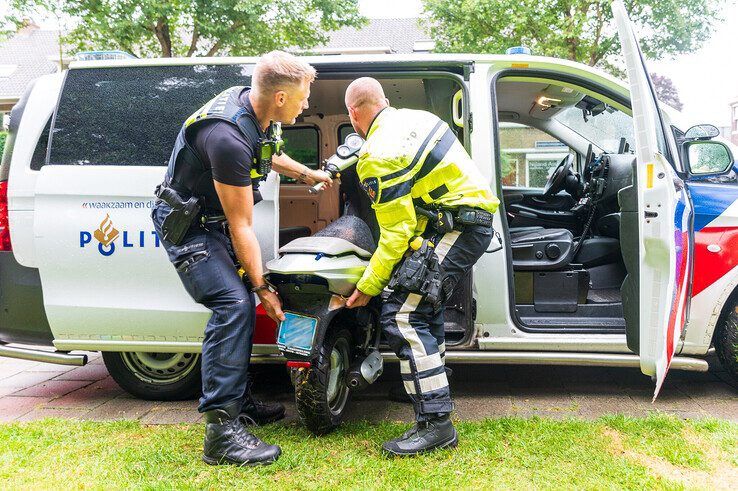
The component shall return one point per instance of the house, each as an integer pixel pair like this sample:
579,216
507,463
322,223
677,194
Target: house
378,36
528,155
30,53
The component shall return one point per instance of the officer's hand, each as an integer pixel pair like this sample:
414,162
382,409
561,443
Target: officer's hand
316,176
272,304
357,299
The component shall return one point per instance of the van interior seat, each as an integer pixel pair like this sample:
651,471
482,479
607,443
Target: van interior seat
540,249
598,250
514,231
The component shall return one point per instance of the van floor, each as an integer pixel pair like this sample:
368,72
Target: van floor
604,295
591,316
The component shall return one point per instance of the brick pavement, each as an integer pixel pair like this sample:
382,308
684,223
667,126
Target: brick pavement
31,391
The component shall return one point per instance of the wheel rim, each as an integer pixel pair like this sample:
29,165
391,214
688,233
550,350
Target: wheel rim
160,368
337,391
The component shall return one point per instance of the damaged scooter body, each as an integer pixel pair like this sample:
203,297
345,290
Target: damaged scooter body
314,276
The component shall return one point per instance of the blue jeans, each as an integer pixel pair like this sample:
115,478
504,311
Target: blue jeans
205,262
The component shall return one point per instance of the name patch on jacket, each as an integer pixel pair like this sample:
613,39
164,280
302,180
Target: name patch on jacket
371,186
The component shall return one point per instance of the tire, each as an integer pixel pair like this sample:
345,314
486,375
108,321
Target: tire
156,376
321,393
726,343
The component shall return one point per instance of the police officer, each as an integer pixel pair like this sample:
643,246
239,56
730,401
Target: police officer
412,166
204,217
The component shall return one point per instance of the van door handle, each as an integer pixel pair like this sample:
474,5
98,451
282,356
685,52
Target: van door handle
651,214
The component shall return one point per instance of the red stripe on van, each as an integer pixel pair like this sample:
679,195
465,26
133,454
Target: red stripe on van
4,224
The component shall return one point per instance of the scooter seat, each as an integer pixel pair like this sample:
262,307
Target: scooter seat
327,246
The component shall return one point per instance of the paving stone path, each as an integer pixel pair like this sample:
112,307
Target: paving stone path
31,391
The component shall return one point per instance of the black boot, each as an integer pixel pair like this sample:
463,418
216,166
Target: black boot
261,412
227,441
423,437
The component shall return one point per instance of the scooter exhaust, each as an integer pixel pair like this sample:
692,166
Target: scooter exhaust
365,372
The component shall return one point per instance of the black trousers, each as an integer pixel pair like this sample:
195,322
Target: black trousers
414,328
205,262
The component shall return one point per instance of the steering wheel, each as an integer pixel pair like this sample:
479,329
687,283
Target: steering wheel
557,180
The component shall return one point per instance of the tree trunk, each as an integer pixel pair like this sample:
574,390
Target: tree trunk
214,49
193,42
162,34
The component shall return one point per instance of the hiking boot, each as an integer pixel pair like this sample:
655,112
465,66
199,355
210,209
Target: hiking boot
259,411
227,441
262,412
423,437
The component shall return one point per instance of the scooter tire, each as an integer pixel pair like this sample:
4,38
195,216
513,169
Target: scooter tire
320,410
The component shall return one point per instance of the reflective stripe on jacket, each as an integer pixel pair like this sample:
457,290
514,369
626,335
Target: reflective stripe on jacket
413,157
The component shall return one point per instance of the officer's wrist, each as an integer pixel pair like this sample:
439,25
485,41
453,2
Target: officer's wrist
262,289
305,174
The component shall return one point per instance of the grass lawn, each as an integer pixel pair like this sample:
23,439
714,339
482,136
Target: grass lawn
609,453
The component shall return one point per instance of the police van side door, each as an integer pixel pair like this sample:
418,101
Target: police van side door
655,228
106,279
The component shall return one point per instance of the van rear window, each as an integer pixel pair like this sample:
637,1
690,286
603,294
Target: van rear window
131,115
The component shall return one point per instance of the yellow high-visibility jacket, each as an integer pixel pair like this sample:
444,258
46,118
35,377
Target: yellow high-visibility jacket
413,157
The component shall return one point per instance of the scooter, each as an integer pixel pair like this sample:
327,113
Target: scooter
330,350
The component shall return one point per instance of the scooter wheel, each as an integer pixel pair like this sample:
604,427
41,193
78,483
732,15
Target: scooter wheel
321,391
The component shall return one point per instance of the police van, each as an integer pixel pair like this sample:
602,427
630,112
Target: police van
619,223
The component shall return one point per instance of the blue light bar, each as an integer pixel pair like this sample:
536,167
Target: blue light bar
518,50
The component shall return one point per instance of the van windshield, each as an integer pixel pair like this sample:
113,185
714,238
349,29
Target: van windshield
604,129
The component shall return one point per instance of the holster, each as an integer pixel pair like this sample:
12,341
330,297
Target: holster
420,273
183,213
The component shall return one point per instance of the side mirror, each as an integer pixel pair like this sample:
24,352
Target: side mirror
702,132
708,157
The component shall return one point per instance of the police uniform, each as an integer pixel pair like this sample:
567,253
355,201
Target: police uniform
412,158
205,259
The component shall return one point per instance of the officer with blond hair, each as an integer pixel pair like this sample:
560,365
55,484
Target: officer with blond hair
204,217
421,181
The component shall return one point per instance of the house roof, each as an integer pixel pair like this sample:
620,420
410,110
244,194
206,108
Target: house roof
398,35
24,57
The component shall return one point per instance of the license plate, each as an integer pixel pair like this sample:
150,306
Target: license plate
296,333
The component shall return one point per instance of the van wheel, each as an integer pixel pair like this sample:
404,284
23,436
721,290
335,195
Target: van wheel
321,392
726,343
155,376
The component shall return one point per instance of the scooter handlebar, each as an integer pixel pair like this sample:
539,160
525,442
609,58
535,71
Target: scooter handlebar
317,188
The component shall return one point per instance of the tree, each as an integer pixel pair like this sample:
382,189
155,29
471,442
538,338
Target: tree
580,30
666,91
197,27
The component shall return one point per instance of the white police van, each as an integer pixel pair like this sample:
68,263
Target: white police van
602,266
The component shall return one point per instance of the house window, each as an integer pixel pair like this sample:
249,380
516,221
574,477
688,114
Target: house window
529,155
539,168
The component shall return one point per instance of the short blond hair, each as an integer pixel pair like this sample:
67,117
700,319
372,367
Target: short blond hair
276,70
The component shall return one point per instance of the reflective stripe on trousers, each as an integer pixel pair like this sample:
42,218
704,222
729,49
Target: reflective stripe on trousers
415,331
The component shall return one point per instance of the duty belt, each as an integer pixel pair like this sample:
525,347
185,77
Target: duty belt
447,219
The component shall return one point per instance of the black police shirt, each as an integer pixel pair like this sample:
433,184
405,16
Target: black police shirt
228,152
